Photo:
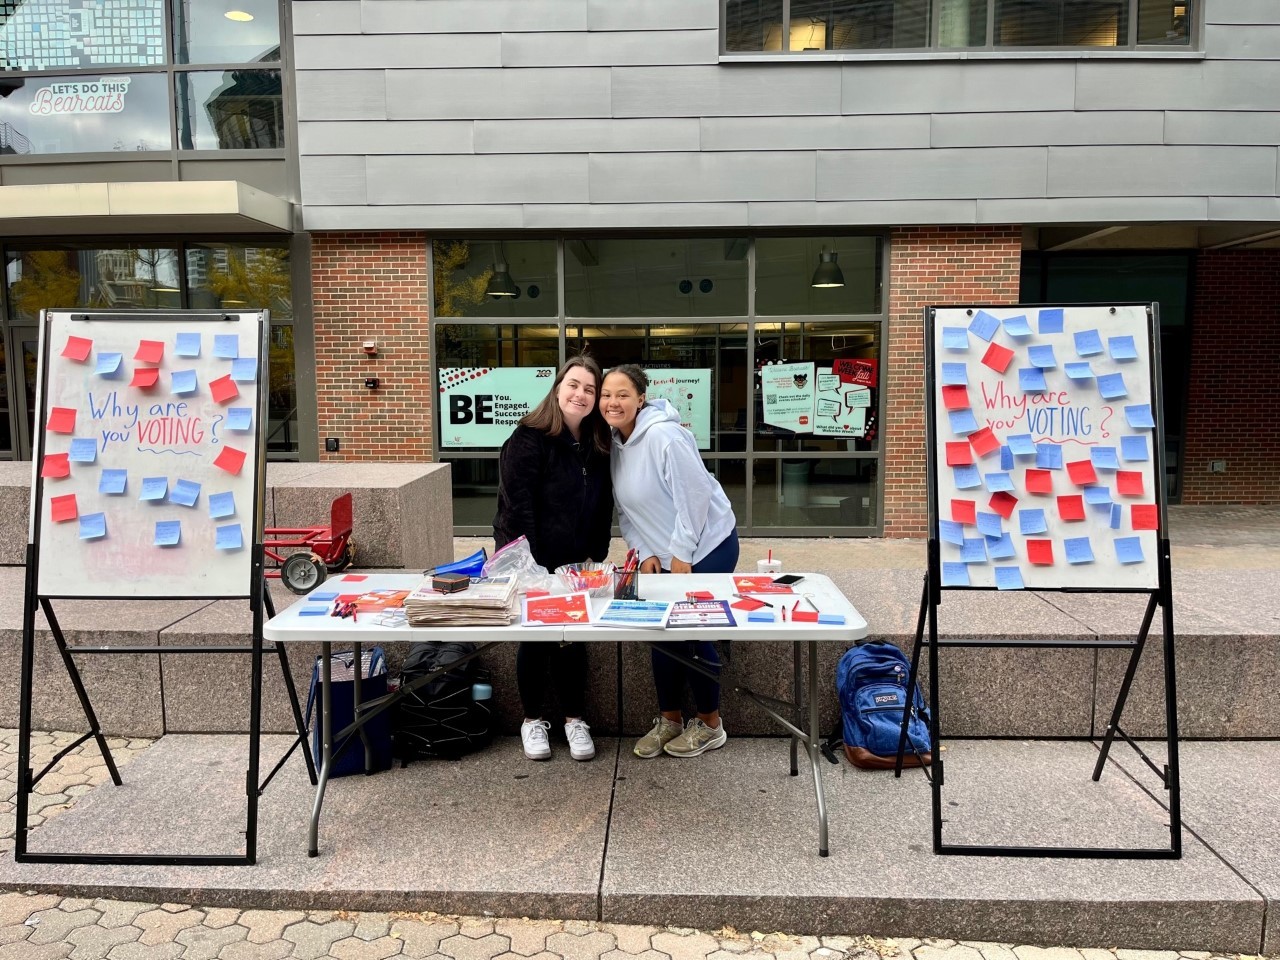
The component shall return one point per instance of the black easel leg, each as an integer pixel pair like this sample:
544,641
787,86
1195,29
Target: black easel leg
935,726
1172,775
795,696
299,721
24,709
912,677
1114,724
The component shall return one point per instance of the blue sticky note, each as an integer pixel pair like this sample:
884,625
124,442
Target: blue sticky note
1122,348
1082,370
228,537
187,345
244,370
154,488
1097,494
83,450
1111,386
226,346
221,505
955,373
109,364
1021,444
967,476
1031,521
1048,456
1009,578
974,550
1079,550
1088,343
240,418
949,531
963,421
112,481
1129,549
314,611
989,524
184,381
1006,458
1017,327
832,618
185,492
1104,458
1051,320
1139,417
1041,355
984,325
1116,514
168,533
323,595
955,575
1031,380
955,338
1134,448
93,526
760,616
999,481
1001,547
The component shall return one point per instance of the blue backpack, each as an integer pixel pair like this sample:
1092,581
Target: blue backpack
871,681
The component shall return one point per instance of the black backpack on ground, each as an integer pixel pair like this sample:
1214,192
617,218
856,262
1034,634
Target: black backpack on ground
441,718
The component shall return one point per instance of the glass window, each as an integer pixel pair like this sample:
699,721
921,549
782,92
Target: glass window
788,267
240,276
230,110
672,277
57,34
495,278
85,114
121,277
753,25
1061,23
237,31
812,492
1164,21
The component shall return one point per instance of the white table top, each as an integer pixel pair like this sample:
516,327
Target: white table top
289,625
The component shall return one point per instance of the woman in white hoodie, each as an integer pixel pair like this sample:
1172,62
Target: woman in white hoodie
677,517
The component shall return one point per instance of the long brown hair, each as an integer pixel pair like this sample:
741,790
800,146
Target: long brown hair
546,416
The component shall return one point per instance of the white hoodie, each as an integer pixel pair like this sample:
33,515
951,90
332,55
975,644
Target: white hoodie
668,504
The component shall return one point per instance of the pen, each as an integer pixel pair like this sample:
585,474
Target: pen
756,599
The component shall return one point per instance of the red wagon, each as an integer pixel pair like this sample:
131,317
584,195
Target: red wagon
304,556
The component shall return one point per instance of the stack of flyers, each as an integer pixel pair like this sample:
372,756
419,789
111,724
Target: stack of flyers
635,613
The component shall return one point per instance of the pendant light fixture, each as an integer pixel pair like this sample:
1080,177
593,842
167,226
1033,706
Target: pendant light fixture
828,273
500,283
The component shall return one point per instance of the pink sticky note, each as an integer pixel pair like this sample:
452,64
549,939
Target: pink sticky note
62,420
1082,472
230,460
223,389
1144,516
984,442
959,453
1040,551
955,396
1003,502
145,377
1071,508
964,511
150,351
1039,481
55,465
997,357
77,349
63,508
1129,482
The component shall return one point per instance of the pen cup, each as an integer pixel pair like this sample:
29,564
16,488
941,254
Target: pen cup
770,567
626,585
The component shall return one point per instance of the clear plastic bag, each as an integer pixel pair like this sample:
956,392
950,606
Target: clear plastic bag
516,560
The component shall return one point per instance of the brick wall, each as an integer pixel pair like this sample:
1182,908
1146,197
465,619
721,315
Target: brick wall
372,286
931,265
1235,369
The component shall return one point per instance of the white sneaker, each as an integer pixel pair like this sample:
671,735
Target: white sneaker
579,736
533,735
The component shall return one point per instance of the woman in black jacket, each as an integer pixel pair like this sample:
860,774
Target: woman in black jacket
554,489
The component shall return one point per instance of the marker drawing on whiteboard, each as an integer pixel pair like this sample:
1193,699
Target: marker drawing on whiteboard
213,428
180,453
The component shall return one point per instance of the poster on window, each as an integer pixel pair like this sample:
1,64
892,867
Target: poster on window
788,392
480,406
689,391
841,405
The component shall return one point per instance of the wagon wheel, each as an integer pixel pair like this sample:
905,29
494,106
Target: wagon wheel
347,559
303,572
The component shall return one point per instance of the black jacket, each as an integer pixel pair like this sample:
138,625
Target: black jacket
557,495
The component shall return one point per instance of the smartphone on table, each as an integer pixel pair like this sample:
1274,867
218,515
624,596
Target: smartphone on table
787,579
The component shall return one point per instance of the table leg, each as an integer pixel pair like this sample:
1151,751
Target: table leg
358,663
798,717
326,746
813,748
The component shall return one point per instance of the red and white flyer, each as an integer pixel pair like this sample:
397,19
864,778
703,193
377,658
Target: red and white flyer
748,584
554,611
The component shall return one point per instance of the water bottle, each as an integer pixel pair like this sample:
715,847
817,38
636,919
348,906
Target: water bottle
481,691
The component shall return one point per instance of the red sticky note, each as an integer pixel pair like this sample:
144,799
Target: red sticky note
150,351
77,349
353,577
699,595
1040,551
747,603
230,460
1039,481
955,396
1144,516
62,419
145,377
223,389
997,357
1082,472
63,508
55,465
959,454
964,511
984,442
1003,502
804,616
1129,482
1071,508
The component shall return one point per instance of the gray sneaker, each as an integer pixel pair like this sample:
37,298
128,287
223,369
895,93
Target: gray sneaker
697,739
651,744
